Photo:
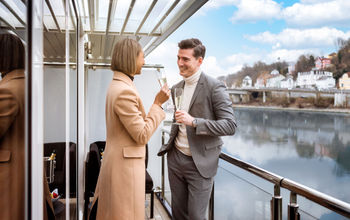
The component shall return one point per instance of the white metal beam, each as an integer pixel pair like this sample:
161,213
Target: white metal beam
53,15
128,16
91,4
178,21
146,16
111,11
164,16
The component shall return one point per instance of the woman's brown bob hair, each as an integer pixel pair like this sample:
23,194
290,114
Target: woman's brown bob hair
124,56
12,55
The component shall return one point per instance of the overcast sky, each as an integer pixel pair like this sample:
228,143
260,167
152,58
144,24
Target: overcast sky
239,32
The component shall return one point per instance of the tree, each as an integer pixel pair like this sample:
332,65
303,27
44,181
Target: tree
305,63
341,62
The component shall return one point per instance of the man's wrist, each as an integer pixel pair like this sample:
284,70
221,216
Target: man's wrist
194,122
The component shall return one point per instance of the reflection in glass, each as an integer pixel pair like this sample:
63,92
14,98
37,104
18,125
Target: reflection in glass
12,116
60,115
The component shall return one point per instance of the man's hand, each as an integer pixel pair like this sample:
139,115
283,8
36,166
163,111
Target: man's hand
183,117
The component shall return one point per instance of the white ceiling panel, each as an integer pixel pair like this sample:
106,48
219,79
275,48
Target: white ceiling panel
105,22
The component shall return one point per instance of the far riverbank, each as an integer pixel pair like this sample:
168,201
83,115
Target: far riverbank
326,110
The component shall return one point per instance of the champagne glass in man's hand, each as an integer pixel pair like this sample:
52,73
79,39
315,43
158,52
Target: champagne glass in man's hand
178,96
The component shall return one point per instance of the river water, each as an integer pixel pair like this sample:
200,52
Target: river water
307,147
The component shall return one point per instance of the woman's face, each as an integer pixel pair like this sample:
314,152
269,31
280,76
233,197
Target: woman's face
140,61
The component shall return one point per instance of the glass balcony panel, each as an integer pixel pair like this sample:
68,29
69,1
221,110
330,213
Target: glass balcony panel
8,17
171,16
119,16
137,14
19,8
240,195
48,20
59,13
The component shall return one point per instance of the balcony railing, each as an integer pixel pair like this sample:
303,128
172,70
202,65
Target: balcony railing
279,182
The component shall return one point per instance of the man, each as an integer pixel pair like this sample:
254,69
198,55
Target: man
194,147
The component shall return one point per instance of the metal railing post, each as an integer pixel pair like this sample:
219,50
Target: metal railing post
276,204
293,207
211,205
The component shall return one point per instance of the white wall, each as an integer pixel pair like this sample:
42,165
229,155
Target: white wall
55,102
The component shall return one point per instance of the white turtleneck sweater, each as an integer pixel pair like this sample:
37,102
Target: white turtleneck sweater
181,141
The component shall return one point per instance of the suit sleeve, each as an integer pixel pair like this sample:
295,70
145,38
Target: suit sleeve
225,123
126,106
8,110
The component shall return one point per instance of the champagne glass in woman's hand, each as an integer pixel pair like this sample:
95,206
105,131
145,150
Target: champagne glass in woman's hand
161,77
162,80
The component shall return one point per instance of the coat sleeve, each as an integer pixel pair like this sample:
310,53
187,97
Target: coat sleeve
127,107
8,110
225,123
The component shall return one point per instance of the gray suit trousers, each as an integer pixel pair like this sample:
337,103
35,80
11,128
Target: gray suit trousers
190,191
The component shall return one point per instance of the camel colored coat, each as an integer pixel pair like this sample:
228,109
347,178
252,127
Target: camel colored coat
12,146
120,189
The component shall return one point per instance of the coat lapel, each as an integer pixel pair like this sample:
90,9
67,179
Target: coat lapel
199,86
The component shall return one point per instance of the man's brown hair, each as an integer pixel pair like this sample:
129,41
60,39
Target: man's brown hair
12,53
124,56
195,44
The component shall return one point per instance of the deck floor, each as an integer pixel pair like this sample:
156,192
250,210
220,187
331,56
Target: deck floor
159,211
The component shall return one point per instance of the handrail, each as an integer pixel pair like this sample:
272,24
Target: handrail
165,131
322,199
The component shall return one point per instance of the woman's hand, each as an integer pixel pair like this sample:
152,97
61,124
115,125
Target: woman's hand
163,95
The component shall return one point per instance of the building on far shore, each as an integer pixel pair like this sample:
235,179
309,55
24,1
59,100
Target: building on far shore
344,81
325,82
288,82
308,79
275,80
247,82
261,80
322,63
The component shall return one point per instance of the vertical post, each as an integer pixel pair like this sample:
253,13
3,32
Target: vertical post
34,110
67,110
293,207
264,97
81,117
317,97
211,204
276,204
163,169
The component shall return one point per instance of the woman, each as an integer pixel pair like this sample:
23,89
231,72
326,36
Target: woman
120,189
11,127
12,61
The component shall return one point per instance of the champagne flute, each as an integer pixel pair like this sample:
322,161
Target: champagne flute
178,95
161,77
